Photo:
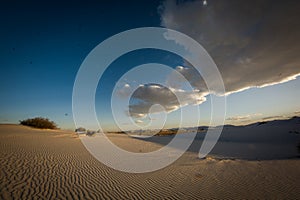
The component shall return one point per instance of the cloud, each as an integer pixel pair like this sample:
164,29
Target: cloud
146,97
254,43
138,121
124,90
238,118
297,112
190,74
274,117
243,117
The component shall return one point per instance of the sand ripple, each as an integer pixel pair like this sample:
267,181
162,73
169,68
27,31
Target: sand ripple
55,165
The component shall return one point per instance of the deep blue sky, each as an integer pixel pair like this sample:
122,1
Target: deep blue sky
43,44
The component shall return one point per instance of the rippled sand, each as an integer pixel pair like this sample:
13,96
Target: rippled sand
44,164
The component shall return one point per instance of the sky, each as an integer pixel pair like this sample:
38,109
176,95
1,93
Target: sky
255,45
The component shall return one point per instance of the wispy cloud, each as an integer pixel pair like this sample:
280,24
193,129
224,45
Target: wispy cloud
243,117
124,90
297,112
274,117
138,121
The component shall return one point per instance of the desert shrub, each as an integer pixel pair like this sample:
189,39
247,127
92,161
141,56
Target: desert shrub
39,122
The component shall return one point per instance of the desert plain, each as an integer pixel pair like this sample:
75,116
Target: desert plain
54,164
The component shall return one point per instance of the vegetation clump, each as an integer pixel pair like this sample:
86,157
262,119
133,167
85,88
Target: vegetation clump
39,122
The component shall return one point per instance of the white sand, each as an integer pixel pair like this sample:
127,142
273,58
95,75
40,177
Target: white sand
44,164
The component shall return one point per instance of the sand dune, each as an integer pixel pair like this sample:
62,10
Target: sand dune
45,164
278,139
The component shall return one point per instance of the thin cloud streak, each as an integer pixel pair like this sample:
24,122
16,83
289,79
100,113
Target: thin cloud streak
243,117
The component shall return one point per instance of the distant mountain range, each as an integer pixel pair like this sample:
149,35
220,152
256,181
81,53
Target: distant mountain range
277,139
293,124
